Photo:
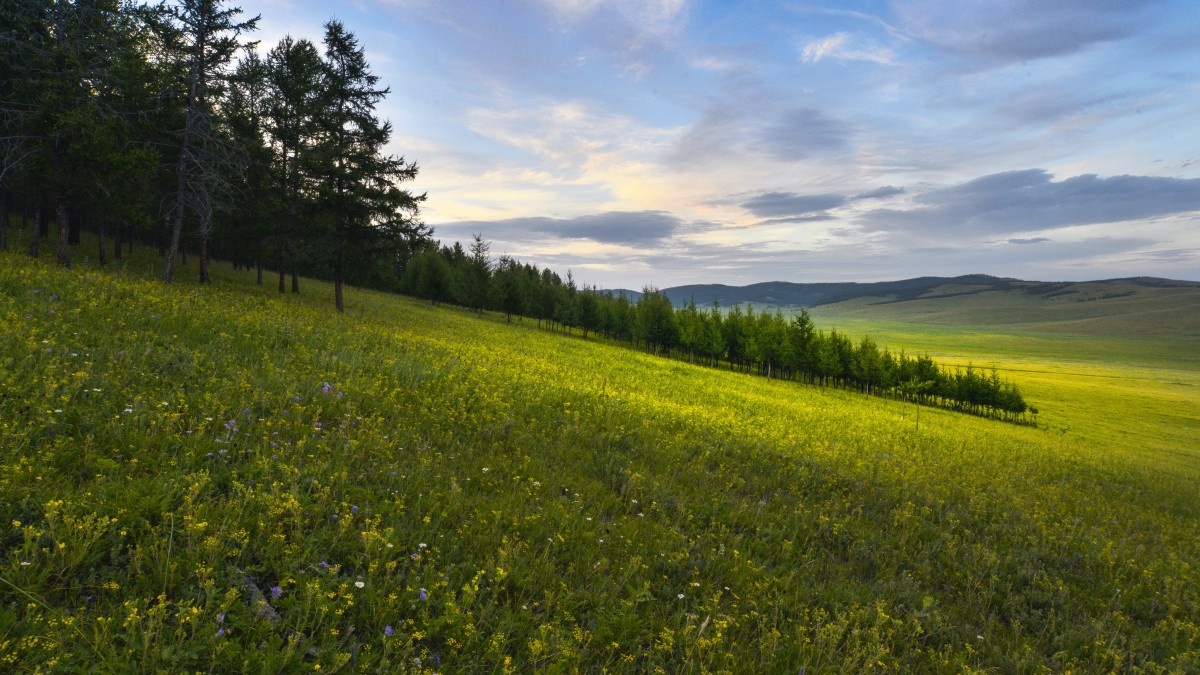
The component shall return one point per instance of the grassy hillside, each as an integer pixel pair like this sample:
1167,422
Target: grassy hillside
1110,308
219,478
1116,307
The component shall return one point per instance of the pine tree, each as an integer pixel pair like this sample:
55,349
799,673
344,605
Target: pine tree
362,211
295,74
208,37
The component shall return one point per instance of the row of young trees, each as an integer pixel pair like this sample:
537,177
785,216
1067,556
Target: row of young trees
162,123
768,344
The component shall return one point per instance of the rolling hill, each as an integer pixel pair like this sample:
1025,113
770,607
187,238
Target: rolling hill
1132,306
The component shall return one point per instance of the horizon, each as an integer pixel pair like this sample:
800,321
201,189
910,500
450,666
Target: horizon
682,142
899,280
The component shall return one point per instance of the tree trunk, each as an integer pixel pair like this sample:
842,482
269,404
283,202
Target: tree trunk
282,272
117,242
62,212
3,220
103,253
204,259
258,263
295,281
39,225
189,129
76,227
337,286
177,217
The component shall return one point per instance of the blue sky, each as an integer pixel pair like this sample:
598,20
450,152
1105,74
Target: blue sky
668,142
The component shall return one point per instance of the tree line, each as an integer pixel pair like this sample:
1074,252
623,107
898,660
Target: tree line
769,344
163,123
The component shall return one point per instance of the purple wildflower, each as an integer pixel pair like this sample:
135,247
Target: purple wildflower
221,632
276,591
387,630
326,389
296,399
353,509
231,424
424,594
221,618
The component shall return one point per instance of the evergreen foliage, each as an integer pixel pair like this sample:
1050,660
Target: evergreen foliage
763,343
159,123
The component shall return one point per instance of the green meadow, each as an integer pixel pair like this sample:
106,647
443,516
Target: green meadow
219,478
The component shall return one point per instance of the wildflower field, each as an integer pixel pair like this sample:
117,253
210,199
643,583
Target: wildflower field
222,479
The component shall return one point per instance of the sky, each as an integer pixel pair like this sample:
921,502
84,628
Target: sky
670,142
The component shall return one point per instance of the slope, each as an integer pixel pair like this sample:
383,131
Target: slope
217,478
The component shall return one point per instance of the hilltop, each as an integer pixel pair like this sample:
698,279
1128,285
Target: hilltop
1137,305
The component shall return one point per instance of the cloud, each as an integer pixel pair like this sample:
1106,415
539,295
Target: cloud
1034,240
1029,200
880,193
626,228
789,207
801,132
636,33
788,204
615,227
838,47
753,124
652,15
1018,30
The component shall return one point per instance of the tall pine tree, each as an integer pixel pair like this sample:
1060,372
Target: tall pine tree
209,36
362,209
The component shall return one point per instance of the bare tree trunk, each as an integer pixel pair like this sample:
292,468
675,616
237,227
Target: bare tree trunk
189,129
3,219
282,272
337,286
75,231
204,258
177,214
64,230
295,281
39,224
205,208
258,263
103,252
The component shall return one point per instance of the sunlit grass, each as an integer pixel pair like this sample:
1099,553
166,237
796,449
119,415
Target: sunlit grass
219,478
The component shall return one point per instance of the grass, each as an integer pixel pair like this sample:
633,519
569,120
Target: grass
425,490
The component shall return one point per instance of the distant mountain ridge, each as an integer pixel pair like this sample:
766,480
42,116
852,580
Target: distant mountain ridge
795,295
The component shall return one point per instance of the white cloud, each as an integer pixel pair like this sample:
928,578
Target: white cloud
655,16
839,47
